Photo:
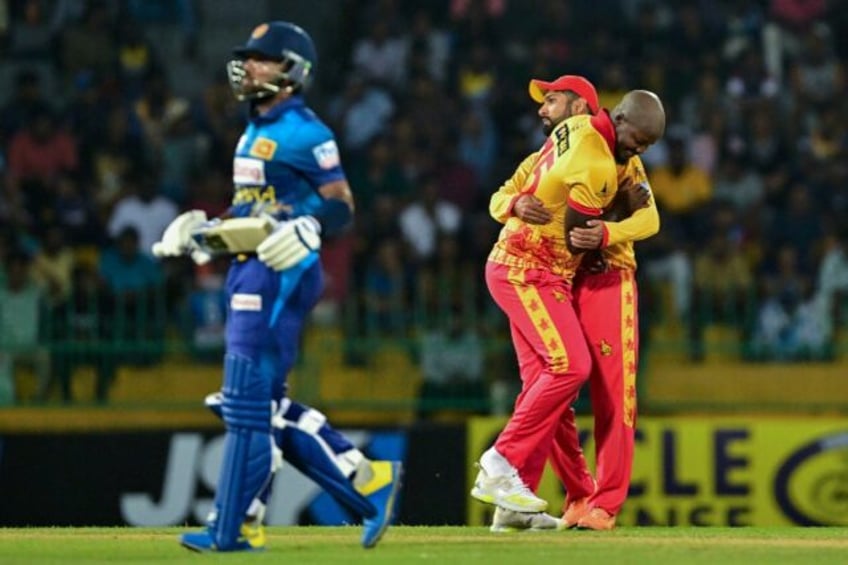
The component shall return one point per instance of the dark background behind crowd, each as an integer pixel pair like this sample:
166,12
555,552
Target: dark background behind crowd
117,116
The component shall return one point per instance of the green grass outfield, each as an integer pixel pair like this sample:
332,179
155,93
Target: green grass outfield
441,546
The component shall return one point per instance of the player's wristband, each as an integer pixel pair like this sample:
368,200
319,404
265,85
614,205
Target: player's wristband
334,215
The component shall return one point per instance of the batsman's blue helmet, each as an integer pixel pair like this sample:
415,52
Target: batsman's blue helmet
279,41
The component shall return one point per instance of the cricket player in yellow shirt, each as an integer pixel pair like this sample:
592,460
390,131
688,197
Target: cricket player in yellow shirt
543,320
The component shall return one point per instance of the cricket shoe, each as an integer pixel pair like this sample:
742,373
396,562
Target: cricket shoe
510,521
480,490
251,538
382,492
574,511
506,491
596,519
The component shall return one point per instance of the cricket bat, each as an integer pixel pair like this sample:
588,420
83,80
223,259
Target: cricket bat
233,235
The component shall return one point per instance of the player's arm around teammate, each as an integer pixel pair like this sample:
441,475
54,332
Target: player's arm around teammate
567,96
569,462
606,304
529,276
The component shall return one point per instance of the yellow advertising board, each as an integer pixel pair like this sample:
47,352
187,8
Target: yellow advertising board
714,471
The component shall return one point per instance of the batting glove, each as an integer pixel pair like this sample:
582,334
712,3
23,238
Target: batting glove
177,238
291,242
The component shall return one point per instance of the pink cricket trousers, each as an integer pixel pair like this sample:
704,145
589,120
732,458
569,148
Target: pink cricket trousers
553,358
606,305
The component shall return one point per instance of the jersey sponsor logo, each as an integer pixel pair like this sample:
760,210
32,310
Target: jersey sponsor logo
246,302
263,148
327,154
606,348
562,134
265,195
248,171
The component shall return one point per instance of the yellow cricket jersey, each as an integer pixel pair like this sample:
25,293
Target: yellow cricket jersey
502,201
643,223
574,168
619,238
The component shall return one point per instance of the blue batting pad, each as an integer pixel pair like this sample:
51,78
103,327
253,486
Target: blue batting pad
313,451
307,453
246,464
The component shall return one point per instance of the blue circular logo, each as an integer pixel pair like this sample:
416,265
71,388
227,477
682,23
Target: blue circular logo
811,487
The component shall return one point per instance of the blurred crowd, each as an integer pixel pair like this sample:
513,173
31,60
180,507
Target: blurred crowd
429,102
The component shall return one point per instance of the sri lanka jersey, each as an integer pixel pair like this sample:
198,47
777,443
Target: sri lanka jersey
281,159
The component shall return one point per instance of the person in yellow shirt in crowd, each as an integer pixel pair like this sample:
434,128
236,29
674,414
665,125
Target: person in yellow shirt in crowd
683,191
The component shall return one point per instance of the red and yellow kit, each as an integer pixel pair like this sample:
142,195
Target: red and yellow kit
575,167
645,222
606,307
529,276
619,236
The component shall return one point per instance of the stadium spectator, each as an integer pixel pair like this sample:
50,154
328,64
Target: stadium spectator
737,183
723,284
32,36
832,281
380,56
156,109
384,291
452,356
428,46
423,219
81,335
137,59
42,158
22,341
115,159
791,323
25,101
89,45
133,280
143,209
53,265
361,112
683,193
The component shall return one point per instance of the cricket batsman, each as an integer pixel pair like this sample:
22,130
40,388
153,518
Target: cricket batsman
290,192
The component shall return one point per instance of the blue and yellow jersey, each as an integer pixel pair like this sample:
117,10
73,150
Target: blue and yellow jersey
280,161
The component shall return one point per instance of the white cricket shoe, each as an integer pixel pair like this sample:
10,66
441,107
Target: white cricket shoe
510,521
506,491
483,489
